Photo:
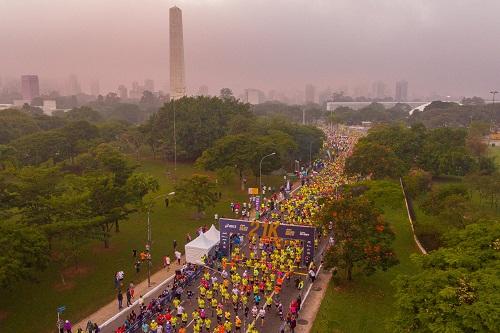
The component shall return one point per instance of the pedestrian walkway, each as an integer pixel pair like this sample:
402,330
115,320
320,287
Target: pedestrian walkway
111,309
310,307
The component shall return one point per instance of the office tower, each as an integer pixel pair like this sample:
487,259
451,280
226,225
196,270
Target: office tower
94,88
122,92
310,93
30,87
73,86
378,89
203,90
401,91
149,85
253,96
177,75
325,96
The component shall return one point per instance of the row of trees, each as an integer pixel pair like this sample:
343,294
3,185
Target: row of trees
61,207
392,150
456,287
222,132
436,114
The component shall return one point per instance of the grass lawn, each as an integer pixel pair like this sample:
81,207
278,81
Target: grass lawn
367,303
427,225
31,306
495,152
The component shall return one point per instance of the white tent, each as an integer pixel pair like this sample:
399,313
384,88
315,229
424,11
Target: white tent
213,234
197,248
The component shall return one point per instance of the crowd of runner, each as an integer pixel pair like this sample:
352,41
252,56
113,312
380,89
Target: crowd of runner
238,293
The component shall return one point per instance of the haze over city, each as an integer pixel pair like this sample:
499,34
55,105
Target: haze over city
258,44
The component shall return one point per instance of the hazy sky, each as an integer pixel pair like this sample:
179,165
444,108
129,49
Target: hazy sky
447,46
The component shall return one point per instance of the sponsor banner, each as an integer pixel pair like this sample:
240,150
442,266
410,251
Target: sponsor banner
265,229
253,191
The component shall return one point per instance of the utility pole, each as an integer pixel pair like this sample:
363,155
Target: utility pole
260,171
493,92
175,138
148,246
303,116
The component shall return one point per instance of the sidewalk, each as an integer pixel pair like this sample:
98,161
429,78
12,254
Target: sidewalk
111,309
310,307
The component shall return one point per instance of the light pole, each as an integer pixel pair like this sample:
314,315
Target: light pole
175,137
260,170
310,154
493,92
149,234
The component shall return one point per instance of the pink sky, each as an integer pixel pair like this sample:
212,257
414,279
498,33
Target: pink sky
448,46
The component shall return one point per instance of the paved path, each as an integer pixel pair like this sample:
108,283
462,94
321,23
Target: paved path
109,313
311,305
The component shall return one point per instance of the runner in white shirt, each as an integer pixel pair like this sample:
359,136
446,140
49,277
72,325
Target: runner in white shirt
262,315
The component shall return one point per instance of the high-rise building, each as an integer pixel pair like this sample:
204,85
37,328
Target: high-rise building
379,89
94,88
73,86
253,96
401,91
122,92
30,87
310,93
177,74
203,90
325,96
149,85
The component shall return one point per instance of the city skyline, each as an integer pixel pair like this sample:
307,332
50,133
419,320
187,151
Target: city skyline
347,43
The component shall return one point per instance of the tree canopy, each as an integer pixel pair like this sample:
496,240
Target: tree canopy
456,289
363,239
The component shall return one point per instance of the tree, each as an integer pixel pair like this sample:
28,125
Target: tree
456,287
134,139
198,192
115,190
377,161
225,175
23,253
7,156
84,113
434,203
199,122
226,93
417,182
363,238
472,101
14,124
79,136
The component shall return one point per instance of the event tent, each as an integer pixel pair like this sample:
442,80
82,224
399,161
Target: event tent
213,234
198,247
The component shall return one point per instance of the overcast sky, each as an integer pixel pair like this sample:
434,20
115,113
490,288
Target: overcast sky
447,46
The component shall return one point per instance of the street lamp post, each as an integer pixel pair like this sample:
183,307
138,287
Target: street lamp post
310,154
175,137
493,92
149,235
260,170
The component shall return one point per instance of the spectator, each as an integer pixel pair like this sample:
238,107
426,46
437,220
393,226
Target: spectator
67,326
120,299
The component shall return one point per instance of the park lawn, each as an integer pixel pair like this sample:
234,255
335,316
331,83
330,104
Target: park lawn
495,152
426,225
367,303
31,306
